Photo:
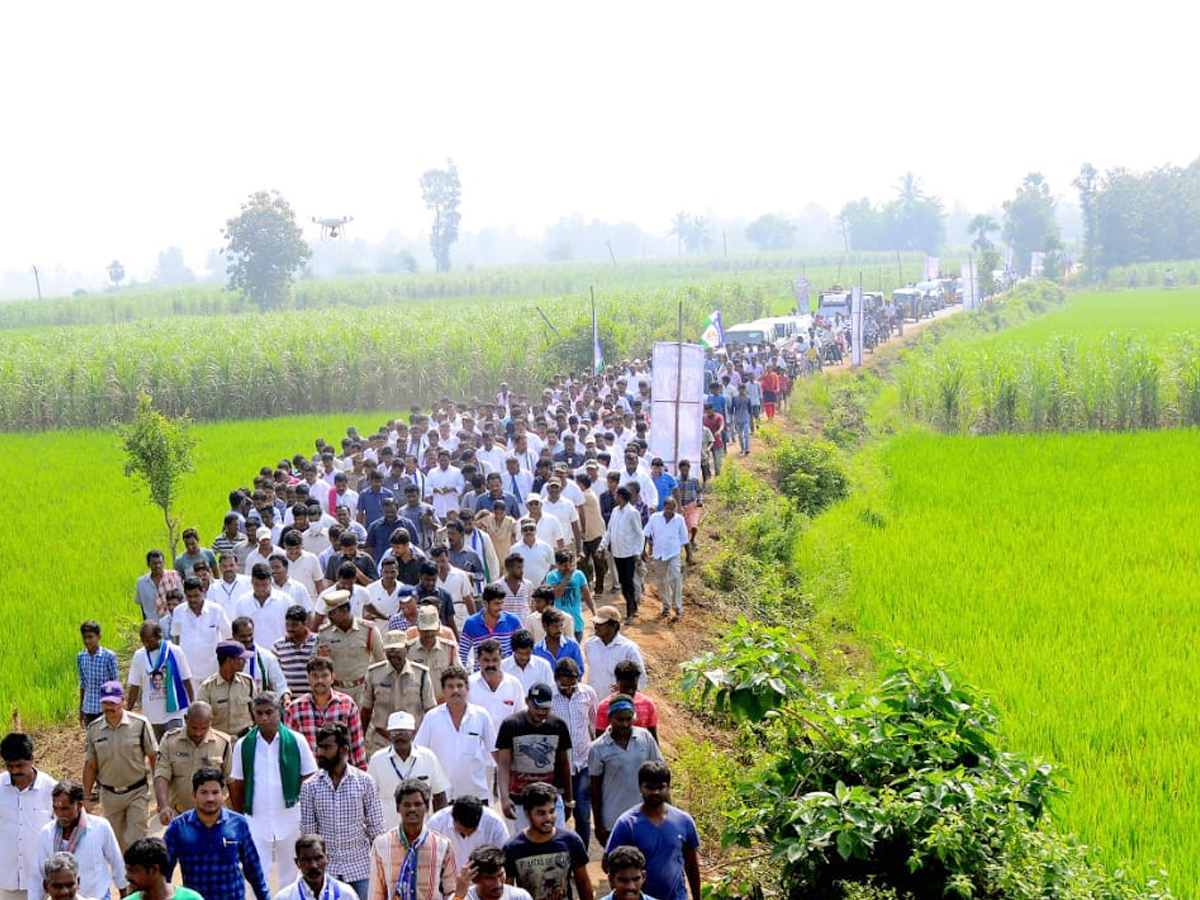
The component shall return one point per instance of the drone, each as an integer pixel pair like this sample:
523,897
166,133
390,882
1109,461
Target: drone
333,228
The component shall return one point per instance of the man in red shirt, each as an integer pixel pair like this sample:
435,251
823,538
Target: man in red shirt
715,422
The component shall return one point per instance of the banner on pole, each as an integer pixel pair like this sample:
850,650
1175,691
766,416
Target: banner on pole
1037,261
677,402
931,268
597,350
856,326
713,333
1008,259
802,301
970,287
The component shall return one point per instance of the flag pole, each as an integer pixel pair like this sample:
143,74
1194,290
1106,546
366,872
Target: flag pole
595,331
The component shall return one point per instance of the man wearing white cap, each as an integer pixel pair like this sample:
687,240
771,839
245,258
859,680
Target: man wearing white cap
262,551
402,760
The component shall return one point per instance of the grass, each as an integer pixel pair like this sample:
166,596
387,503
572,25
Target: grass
81,558
1092,316
1062,572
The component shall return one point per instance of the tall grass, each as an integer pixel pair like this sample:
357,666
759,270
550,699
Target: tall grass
1061,572
332,359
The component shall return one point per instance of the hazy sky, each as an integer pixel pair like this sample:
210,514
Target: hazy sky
133,126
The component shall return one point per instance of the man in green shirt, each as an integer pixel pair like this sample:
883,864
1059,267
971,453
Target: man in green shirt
146,865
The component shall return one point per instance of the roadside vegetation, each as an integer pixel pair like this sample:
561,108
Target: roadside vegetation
1054,571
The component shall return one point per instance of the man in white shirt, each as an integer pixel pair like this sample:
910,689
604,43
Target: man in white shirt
313,883
26,805
538,555
491,687
303,566
625,542
666,536
383,599
525,665
267,794
549,528
262,550
606,648
469,824
90,838
403,760
567,513
444,486
197,627
266,607
161,679
462,736
282,581
517,481
231,586
456,583
633,472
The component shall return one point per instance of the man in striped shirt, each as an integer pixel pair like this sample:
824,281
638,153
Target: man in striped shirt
295,649
410,861
490,622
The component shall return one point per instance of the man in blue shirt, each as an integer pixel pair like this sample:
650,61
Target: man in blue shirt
96,665
665,834
213,845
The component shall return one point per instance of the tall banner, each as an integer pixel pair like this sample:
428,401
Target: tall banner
597,350
1008,259
802,301
856,326
970,287
712,335
677,402
1037,260
931,268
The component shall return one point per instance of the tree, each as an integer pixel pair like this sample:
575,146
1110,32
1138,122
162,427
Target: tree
981,226
771,232
1086,182
158,450
1029,218
441,192
116,272
265,247
171,270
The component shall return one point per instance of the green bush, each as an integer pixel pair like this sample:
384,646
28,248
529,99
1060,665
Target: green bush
811,474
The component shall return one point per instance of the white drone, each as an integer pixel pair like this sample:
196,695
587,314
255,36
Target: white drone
333,228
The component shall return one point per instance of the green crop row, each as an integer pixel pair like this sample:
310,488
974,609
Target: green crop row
1061,571
334,359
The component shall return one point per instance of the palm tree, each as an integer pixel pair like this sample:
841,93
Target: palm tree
679,227
981,226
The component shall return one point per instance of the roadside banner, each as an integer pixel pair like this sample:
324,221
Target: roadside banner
1037,261
802,301
597,350
856,326
712,335
970,287
931,268
1008,259
677,402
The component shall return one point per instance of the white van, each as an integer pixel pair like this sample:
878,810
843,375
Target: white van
760,331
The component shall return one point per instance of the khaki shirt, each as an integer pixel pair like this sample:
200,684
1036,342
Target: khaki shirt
119,754
350,651
443,654
230,701
179,758
388,691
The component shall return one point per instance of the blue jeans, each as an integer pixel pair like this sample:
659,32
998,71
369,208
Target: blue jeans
581,784
360,887
743,434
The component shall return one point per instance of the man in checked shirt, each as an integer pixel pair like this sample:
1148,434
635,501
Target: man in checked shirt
341,804
308,713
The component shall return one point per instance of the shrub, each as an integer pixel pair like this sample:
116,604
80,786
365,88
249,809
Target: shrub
811,474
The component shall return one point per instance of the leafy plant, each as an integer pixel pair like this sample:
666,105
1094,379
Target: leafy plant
810,473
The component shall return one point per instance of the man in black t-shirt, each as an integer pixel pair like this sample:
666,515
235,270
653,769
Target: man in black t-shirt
545,859
533,746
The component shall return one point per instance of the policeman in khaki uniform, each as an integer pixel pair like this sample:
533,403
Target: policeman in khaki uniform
119,757
394,685
183,751
229,690
351,644
430,649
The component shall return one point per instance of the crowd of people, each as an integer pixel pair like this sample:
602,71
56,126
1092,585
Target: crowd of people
400,669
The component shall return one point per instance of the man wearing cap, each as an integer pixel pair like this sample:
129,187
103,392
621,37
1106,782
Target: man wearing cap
549,528
402,760
538,555
321,706
229,690
262,551
394,685
182,753
606,648
349,643
534,745
266,607
431,649
26,805
119,757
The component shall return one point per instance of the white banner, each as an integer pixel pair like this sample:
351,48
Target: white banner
1037,260
856,326
970,287
1008,259
931,268
677,396
802,301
